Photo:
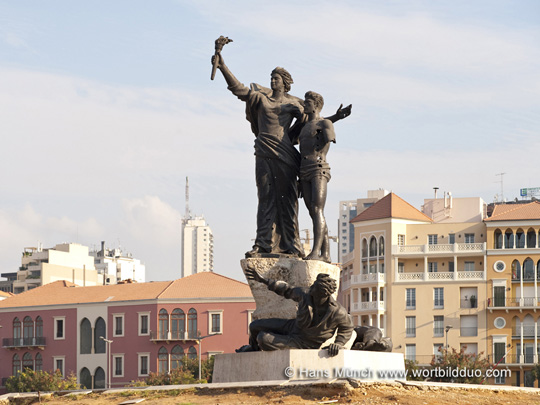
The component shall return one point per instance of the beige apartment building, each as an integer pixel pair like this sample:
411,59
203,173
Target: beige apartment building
428,267
513,266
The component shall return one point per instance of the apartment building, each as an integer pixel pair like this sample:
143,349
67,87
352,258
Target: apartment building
122,332
513,272
420,276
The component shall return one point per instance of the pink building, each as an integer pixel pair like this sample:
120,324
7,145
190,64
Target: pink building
149,326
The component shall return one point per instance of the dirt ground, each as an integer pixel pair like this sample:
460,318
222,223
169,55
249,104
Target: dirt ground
343,393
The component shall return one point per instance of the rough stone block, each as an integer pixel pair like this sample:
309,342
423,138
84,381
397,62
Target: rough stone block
296,272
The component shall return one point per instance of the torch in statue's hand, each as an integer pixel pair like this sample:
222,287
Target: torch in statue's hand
220,42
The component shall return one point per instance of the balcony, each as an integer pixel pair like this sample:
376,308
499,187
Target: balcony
15,343
512,359
442,276
459,249
369,306
174,336
513,303
528,332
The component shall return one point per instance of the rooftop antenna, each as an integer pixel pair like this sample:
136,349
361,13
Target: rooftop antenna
187,214
502,184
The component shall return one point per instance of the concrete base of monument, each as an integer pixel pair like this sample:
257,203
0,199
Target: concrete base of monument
308,365
296,272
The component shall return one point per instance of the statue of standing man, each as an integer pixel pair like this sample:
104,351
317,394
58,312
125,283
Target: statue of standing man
277,162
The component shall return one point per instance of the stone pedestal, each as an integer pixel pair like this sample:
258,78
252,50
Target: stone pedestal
296,272
308,365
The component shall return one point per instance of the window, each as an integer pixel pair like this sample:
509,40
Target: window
192,352
372,247
178,324
192,323
215,319
432,267
163,360
410,326
85,335
438,326
58,364
177,355
118,320
144,320
39,362
438,350
410,352
16,332
410,301
451,267
438,298
401,267
451,238
59,325
16,365
469,266
118,363
468,325
39,327
498,242
28,330
99,378
432,239
381,246
401,240
28,361
85,378
163,325
469,238
143,364
100,329
499,351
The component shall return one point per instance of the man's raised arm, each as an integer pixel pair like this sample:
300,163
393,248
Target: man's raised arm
234,85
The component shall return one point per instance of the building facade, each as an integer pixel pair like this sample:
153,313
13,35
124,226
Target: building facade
513,265
119,333
420,280
115,265
197,246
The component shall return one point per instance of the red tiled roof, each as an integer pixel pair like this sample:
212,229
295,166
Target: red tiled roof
391,206
201,285
515,212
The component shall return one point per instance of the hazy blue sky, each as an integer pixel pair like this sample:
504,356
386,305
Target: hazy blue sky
106,107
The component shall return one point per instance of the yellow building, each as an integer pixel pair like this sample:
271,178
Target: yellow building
421,280
513,270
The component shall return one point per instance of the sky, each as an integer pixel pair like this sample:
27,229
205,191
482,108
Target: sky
107,106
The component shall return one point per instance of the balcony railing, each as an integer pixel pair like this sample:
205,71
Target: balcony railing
168,336
513,302
468,331
441,276
23,342
528,331
455,248
528,276
369,306
468,303
513,359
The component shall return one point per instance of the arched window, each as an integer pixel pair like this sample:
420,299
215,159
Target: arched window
163,326
28,331
508,239
39,362
516,326
17,332
381,246
372,247
364,248
27,361
178,324
86,337
99,378
531,238
85,378
528,326
520,239
498,242
192,323
192,352
100,329
177,354
538,274
16,369
516,270
163,360
528,269
39,327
